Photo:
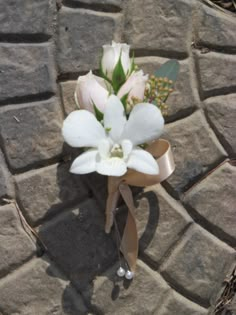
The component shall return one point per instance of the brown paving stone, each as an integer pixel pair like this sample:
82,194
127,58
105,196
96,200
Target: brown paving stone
214,199
77,241
214,27
143,295
221,112
39,288
26,69
16,246
195,148
45,191
216,73
6,184
81,36
199,264
160,221
31,132
160,25
177,304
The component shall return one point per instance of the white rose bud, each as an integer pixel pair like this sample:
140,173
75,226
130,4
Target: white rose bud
111,55
91,90
134,86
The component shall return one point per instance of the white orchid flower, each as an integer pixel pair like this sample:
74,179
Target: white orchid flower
114,147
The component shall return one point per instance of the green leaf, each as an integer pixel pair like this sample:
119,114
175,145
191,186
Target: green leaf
99,115
118,76
169,69
124,100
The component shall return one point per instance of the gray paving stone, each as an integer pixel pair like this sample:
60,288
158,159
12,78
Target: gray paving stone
195,149
160,221
30,17
31,132
179,305
78,243
182,100
142,296
102,2
48,190
6,184
214,199
199,264
216,72
161,25
81,36
16,246
26,69
221,112
67,93
214,28
39,288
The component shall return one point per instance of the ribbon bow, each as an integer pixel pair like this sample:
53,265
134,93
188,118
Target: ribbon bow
119,186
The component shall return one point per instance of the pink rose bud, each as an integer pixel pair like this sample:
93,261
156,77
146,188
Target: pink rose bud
134,86
91,90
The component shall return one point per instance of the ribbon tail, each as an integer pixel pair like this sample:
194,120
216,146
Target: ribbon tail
110,208
129,242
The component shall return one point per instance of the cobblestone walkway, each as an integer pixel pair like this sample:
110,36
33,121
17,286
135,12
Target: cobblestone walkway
187,226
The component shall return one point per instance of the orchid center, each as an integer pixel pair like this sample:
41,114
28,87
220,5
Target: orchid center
117,151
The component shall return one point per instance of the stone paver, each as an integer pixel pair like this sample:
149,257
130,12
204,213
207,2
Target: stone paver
142,296
220,212
16,246
195,149
214,28
48,190
39,288
165,26
81,35
6,184
78,243
67,92
216,73
31,133
103,2
177,304
199,264
44,46
31,17
160,222
25,70
221,112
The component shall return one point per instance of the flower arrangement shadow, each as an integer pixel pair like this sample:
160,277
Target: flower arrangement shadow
78,246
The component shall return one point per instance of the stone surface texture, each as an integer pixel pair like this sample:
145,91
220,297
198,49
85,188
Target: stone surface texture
55,258
27,70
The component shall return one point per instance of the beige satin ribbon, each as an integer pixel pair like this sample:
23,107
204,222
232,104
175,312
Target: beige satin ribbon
161,151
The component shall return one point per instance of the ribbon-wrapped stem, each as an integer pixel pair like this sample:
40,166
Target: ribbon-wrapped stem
119,186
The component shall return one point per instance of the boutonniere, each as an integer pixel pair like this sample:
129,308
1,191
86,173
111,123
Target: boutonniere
119,123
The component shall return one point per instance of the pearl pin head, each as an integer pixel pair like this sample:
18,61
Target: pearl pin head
129,275
120,272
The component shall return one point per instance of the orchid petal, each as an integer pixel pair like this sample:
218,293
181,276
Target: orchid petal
145,124
85,163
142,161
81,129
104,148
114,118
112,167
127,147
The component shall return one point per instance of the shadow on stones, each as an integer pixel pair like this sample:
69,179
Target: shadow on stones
77,245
